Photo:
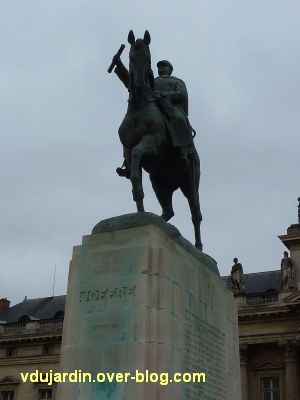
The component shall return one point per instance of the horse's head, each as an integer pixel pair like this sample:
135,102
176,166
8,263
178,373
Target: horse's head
141,75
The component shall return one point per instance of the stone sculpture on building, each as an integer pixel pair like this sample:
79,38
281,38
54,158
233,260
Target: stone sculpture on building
237,277
287,270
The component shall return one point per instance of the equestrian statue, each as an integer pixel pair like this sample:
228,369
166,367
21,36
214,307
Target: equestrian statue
156,134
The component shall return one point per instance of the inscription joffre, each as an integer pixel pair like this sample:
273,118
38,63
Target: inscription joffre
88,296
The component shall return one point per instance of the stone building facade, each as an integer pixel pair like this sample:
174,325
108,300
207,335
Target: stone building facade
269,326
269,334
30,340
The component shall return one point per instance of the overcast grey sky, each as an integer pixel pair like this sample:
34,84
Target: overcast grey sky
60,111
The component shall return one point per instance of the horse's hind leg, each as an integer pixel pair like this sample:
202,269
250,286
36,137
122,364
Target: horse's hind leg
164,193
190,190
196,218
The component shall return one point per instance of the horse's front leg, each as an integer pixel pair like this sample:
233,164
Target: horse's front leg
136,177
146,146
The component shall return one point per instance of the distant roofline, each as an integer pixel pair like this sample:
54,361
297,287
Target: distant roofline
37,298
255,273
46,297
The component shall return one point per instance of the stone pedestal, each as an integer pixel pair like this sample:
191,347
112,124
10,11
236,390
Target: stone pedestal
141,297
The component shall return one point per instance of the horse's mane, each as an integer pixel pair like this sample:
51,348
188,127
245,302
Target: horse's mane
151,79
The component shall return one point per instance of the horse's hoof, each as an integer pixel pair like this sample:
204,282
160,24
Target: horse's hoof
199,246
140,206
167,215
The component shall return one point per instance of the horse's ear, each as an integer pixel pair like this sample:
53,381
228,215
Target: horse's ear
131,38
147,38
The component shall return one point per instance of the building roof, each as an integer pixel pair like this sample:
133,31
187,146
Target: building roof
259,282
33,309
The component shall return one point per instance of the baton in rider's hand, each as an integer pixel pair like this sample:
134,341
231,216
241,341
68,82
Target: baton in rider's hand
116,58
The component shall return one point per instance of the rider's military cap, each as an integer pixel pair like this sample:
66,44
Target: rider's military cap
165,63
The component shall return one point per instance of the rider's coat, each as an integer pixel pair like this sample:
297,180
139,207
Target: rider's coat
172,99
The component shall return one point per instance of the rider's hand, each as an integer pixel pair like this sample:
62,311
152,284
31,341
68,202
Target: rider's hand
117,60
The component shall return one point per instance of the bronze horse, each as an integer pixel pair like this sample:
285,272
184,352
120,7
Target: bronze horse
146,141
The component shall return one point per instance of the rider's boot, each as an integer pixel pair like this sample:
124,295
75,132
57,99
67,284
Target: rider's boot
124,170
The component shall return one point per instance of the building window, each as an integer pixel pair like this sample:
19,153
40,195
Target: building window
270,389
7,395
48,349
11,352
45,394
